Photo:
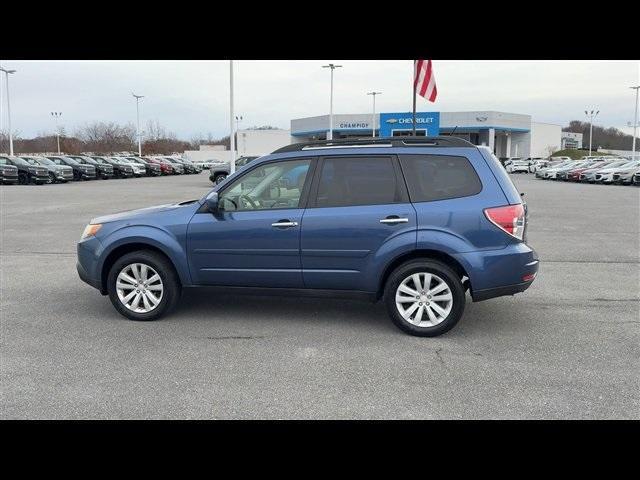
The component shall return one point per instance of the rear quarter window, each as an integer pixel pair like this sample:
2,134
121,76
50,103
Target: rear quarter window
439,177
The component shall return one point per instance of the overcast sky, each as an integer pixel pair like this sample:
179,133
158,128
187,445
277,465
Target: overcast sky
192,97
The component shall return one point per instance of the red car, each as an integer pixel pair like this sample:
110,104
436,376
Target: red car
165,167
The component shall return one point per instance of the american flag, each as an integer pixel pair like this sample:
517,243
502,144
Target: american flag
424,81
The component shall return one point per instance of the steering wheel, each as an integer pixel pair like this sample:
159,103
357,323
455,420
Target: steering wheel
249,200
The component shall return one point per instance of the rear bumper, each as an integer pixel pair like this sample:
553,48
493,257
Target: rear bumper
480,295
493,273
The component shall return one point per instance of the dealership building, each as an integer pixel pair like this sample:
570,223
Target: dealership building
507,134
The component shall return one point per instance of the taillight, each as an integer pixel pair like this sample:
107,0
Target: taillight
510,218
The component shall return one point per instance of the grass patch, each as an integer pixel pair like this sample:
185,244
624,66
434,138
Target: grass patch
577,154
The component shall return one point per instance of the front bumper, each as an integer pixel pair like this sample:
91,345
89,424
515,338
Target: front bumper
88,252
10,179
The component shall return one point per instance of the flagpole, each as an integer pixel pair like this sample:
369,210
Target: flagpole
413,86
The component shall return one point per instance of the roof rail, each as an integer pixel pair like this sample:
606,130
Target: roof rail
440,141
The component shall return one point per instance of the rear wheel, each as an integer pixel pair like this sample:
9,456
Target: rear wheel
143,285
424,297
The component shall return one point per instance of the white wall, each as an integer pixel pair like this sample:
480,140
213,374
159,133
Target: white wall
261,142
544,135
205,155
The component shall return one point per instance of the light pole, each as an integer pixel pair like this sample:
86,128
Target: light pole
138,97
591,116
7,73
635,122
56,116
332,67
232,138
373,118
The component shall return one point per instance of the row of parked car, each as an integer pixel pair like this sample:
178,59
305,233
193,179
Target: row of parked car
41,169
607,170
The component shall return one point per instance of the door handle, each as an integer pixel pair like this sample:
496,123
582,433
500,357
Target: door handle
394,220
284,224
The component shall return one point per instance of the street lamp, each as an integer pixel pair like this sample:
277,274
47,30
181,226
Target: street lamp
332,67
138,97
373,118
232,137
635,122
591,116
56,116
7,73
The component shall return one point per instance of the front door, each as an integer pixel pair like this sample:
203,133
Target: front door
254,240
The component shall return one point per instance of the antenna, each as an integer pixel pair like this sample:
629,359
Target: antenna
453,131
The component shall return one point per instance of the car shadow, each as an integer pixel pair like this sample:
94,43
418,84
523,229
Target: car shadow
198,303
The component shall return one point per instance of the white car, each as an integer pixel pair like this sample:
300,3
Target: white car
518,166
138,169
537,164
606,175
624,175
550,173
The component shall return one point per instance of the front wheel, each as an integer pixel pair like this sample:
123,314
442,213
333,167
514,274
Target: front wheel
424,297
143,285
219,178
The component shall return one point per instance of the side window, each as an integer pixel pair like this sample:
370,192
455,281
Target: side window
269,186
439,177
348,181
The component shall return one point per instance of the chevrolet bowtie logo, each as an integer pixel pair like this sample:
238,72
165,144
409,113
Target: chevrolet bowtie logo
392,120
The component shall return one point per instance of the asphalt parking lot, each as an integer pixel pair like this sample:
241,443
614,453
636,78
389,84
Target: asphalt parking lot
569,347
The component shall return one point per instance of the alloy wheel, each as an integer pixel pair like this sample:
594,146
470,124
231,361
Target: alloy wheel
139,287
424,299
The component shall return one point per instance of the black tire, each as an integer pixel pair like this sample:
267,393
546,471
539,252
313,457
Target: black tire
52,178
23,179
438,268
219,177
171,284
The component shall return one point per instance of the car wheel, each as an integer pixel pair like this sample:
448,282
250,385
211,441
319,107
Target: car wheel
424,297
23,179
52,178
219,178
143,285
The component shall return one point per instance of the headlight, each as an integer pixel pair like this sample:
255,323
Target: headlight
90,230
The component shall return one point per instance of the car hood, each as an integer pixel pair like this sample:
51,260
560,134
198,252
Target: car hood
141,212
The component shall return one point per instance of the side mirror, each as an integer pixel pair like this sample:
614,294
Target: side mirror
212,202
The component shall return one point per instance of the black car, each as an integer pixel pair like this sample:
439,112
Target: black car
81,170
103,169
8,172
28,173
153,170
120,170
57,173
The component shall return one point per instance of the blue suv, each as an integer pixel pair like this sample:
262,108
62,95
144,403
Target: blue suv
413,221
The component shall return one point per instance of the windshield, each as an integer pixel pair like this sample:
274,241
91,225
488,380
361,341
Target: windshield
19,161
31,161
99,160
3,161
44,161
89,161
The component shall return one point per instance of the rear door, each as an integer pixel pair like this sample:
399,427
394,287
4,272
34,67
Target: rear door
358,215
